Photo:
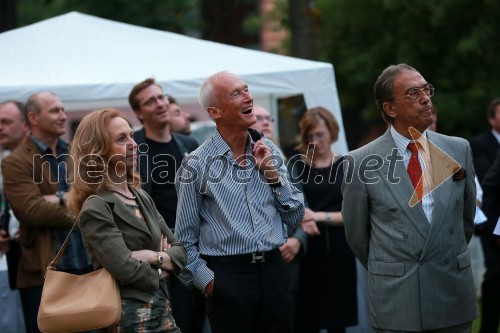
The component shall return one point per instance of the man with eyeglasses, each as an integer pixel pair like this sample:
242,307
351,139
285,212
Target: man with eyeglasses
264,122
160,153
408,211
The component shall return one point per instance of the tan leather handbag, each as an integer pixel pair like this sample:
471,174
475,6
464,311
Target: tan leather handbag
75,303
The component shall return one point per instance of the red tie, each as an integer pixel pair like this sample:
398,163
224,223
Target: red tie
415,170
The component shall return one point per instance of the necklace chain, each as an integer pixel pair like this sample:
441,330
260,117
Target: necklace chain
130,197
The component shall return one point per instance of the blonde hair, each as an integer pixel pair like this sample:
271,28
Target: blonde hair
89,157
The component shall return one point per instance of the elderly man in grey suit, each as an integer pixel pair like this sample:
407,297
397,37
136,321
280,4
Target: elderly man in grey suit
410,228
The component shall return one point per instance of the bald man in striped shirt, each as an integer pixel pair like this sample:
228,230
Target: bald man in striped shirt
234,206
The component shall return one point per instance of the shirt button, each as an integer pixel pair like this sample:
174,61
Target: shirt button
447,260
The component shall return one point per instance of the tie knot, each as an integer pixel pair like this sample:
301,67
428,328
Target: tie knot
413,147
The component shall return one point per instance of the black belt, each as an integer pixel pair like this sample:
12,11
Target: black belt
253,258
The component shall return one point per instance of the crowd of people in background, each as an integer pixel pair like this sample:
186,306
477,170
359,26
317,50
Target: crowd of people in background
230,235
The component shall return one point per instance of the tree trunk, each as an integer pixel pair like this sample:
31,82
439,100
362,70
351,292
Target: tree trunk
303,20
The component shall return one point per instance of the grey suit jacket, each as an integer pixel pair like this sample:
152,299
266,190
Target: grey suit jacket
110,231
419,273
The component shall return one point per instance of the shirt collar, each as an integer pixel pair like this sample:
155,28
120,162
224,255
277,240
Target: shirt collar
402,142
61,146
221,146
496,135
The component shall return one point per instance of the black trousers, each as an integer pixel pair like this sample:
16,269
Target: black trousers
30,299
250,297
188,306
490,288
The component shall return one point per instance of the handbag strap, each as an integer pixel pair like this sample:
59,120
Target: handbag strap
53,264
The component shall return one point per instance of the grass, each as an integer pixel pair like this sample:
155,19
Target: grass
476,323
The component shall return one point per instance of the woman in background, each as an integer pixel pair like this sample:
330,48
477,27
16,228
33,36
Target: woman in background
120,225
327,293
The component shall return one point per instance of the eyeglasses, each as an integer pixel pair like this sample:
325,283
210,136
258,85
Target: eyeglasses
262,118
416,93
154,101
316,137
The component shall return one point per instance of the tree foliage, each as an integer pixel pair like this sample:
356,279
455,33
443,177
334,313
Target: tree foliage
173,15
453,43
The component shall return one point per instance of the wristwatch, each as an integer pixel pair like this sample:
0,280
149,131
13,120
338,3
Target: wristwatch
159,260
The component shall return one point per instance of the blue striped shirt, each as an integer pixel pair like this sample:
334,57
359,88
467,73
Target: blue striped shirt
225,209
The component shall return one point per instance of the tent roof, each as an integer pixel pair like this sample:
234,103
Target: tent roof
75,52
89,62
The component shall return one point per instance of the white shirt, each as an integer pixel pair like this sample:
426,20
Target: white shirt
424,159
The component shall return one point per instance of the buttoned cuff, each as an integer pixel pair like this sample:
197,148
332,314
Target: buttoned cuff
203,277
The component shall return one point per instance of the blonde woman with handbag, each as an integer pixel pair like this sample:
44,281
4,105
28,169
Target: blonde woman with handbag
120,224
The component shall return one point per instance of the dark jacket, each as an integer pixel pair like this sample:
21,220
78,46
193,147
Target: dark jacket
183,142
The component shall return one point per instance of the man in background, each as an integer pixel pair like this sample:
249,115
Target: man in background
484,151
13,131
296,244
180,120
35,186
160,155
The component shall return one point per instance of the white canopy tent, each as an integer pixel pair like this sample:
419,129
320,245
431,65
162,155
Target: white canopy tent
90,62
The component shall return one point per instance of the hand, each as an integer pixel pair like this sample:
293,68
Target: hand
165,244
164,274
209,289
52,198
145,255
4,241
264,161
308,224
290,249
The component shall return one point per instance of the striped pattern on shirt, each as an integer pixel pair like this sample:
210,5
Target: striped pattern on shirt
225,209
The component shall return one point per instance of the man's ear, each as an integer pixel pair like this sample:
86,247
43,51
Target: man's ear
138,115
213,112
33,119
389,109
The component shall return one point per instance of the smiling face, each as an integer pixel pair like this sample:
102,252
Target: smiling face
235,109
405,112
123,147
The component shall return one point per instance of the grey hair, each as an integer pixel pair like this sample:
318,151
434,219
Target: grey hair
384,86
207,95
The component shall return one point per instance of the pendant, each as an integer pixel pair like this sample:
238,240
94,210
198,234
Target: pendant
138,213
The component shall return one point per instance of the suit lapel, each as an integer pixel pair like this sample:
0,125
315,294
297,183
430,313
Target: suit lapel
441,164
124,213
403,190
